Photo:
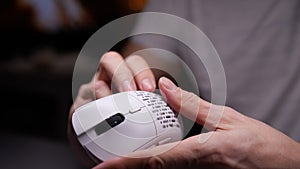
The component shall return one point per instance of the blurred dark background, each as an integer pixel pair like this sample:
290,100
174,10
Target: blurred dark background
41,40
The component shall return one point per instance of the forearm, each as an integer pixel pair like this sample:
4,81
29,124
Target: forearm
278,151
291,155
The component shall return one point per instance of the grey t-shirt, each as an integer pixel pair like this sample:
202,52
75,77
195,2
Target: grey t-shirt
259,46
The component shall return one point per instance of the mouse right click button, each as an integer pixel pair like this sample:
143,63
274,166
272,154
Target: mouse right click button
164,141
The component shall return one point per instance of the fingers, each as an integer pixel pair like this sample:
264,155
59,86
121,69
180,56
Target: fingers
125,75
174,158
128,74
142,73
85,95
190,105
114,67
101,89
88,92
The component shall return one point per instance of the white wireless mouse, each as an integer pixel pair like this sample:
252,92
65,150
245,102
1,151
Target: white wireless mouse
125,122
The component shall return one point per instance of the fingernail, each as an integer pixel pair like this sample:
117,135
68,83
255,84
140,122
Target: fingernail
128,85
147,85
168,84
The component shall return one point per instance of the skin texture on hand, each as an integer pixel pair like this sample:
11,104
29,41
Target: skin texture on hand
236,141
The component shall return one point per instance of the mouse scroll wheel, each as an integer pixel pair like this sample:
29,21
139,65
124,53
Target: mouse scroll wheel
135,109
109,123
115,119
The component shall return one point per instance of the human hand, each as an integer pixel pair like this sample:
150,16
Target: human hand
127,74
237,141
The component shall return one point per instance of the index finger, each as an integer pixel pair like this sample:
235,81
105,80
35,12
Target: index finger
114,69
190,105
142,72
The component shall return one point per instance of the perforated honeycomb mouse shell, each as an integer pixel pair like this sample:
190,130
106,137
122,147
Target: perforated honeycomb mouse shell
159,109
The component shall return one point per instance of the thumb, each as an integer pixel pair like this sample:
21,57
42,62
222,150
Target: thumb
179,155
188,104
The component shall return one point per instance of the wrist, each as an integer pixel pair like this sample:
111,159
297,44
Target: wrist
297,154
290,155
275,150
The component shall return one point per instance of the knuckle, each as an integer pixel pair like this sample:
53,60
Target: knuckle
84,88
217,158
107,57
85,91
232,114
121,75
155,163
189,97
137,64
224,155
134,59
